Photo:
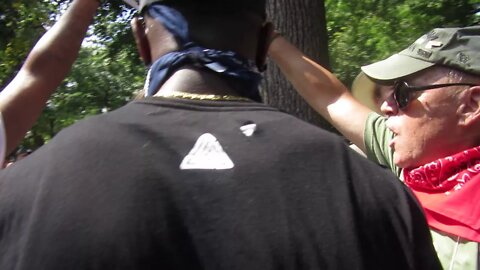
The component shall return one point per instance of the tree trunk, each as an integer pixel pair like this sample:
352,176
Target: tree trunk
302,22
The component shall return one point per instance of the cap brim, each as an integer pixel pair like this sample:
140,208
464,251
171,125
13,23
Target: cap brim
363,89
394,67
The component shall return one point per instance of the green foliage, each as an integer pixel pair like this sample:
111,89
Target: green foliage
105,76
98,83
22,22
365,31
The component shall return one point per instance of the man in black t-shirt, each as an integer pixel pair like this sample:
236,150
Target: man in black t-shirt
200,175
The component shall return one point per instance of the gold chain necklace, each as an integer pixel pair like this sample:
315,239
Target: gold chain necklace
184,95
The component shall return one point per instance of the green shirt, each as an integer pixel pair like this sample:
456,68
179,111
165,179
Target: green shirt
454,252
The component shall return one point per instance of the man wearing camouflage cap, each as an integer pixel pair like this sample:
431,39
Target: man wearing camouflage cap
430,136
200,175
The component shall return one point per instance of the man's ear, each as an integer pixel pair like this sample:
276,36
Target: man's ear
262,47
143,46
470,109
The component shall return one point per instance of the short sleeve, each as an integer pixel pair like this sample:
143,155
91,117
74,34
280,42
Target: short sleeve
377,137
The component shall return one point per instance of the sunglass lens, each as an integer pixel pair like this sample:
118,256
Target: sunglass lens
402,95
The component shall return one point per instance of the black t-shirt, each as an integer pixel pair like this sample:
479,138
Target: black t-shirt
176,184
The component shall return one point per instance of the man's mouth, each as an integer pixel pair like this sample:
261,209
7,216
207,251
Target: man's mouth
392,141
390,127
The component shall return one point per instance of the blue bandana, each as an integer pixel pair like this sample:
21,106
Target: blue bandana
227,63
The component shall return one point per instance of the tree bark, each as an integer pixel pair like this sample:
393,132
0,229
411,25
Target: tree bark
302,22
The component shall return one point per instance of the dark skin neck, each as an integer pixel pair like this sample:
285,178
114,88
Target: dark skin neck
196,81
228,35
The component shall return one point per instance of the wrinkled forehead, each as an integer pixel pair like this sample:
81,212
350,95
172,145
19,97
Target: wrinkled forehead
435,74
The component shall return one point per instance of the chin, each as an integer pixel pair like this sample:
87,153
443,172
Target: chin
411,158
403,163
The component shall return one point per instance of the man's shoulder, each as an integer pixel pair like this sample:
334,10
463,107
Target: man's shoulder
377,138
85,131
96,125
91,138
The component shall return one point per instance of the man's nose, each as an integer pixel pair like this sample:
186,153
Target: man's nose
389,106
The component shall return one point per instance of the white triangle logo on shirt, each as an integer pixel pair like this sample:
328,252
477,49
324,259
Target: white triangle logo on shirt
249,129
207,154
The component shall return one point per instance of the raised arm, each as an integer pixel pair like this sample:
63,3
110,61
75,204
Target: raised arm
322,90
49,62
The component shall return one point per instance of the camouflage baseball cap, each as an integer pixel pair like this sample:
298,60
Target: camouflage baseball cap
458,48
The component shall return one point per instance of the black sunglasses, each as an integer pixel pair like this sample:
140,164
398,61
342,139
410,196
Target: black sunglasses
402,91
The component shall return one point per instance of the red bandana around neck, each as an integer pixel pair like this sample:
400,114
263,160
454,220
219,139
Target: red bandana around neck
449,190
